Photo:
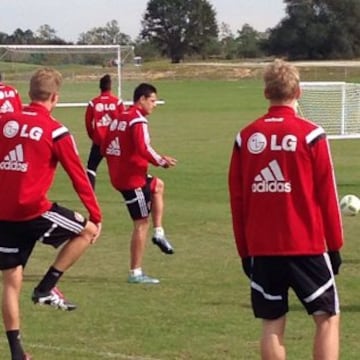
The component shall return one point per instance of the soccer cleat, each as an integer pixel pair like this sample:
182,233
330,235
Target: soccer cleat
53,298
163,244
142,279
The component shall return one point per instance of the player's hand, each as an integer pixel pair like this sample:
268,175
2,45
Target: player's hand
97,234
170,161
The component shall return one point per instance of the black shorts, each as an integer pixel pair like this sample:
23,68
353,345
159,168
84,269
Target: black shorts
310,277
138,201
54,227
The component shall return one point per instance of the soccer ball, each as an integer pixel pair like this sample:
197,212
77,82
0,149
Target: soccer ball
350,205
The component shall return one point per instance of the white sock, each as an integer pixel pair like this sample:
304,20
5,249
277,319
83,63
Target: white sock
159,231
136,272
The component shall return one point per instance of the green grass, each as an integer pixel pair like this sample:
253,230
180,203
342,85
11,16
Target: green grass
201,310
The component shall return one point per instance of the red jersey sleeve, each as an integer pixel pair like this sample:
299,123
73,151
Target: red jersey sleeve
328,200
236,199
66,152
141,138
89,117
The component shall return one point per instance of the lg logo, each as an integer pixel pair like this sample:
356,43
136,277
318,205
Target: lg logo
257,143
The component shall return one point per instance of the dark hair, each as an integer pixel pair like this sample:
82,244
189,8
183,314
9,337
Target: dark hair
105,83
143,89
1,76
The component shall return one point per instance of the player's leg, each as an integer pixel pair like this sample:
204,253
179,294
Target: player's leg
12,282
138,243
16,245
326,341
272,339
314,284
157,187
93,162
269,299
61,227
138,202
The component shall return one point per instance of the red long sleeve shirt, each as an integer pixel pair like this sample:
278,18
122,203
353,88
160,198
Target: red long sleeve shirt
32,143
282,188
96,119
10,99
128,150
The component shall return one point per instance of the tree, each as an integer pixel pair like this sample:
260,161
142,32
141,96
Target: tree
317,29
249,42
180,27
107,35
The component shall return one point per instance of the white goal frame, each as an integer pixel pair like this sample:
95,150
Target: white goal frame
338,109
79,49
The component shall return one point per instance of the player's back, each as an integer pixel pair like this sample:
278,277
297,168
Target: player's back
285,170
97,112
10,100
127,168
27,162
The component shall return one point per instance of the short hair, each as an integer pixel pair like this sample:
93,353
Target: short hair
143,89
281,80
1,76
44,83
105,83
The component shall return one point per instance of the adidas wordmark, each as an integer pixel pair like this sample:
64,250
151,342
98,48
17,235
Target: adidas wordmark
271,179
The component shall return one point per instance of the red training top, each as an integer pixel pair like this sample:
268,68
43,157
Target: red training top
96,115
282,188
128,151
32,142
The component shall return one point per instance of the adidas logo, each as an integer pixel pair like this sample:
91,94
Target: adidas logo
271,179
14,161
6,107
113,148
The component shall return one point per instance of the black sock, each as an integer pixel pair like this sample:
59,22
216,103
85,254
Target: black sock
17,352
49,280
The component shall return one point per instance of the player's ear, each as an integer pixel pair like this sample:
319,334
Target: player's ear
298,93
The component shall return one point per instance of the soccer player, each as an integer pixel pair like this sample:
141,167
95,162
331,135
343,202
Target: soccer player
128,154
286,217
32,143
10,99
97,118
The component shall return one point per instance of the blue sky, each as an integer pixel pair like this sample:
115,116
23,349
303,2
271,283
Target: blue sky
70,18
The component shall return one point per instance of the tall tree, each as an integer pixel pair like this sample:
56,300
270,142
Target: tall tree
180,27
317,29
109,34
249,42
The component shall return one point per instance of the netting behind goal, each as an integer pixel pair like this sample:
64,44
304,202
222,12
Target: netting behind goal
333,105
81,67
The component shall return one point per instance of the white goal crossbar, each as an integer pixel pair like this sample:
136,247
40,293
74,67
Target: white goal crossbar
333,105
117,53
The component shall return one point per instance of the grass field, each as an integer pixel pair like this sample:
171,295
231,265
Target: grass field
201,309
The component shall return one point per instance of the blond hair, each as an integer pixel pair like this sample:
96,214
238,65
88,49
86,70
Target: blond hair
281,80
44,83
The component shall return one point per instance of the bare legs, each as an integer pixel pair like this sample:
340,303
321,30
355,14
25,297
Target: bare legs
326,339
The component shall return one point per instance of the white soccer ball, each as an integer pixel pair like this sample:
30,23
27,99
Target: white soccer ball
350,205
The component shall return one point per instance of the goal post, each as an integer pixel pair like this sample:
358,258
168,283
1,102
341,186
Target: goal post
81,67
333,105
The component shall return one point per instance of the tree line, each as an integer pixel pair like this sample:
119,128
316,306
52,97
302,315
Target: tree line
179,29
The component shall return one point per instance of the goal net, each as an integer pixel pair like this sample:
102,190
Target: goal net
333,105
82,66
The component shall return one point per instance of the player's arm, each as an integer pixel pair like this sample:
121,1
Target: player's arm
66,153
141,138
326,192
89,119
236,198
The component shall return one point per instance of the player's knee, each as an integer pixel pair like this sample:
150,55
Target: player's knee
160,186
89,231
